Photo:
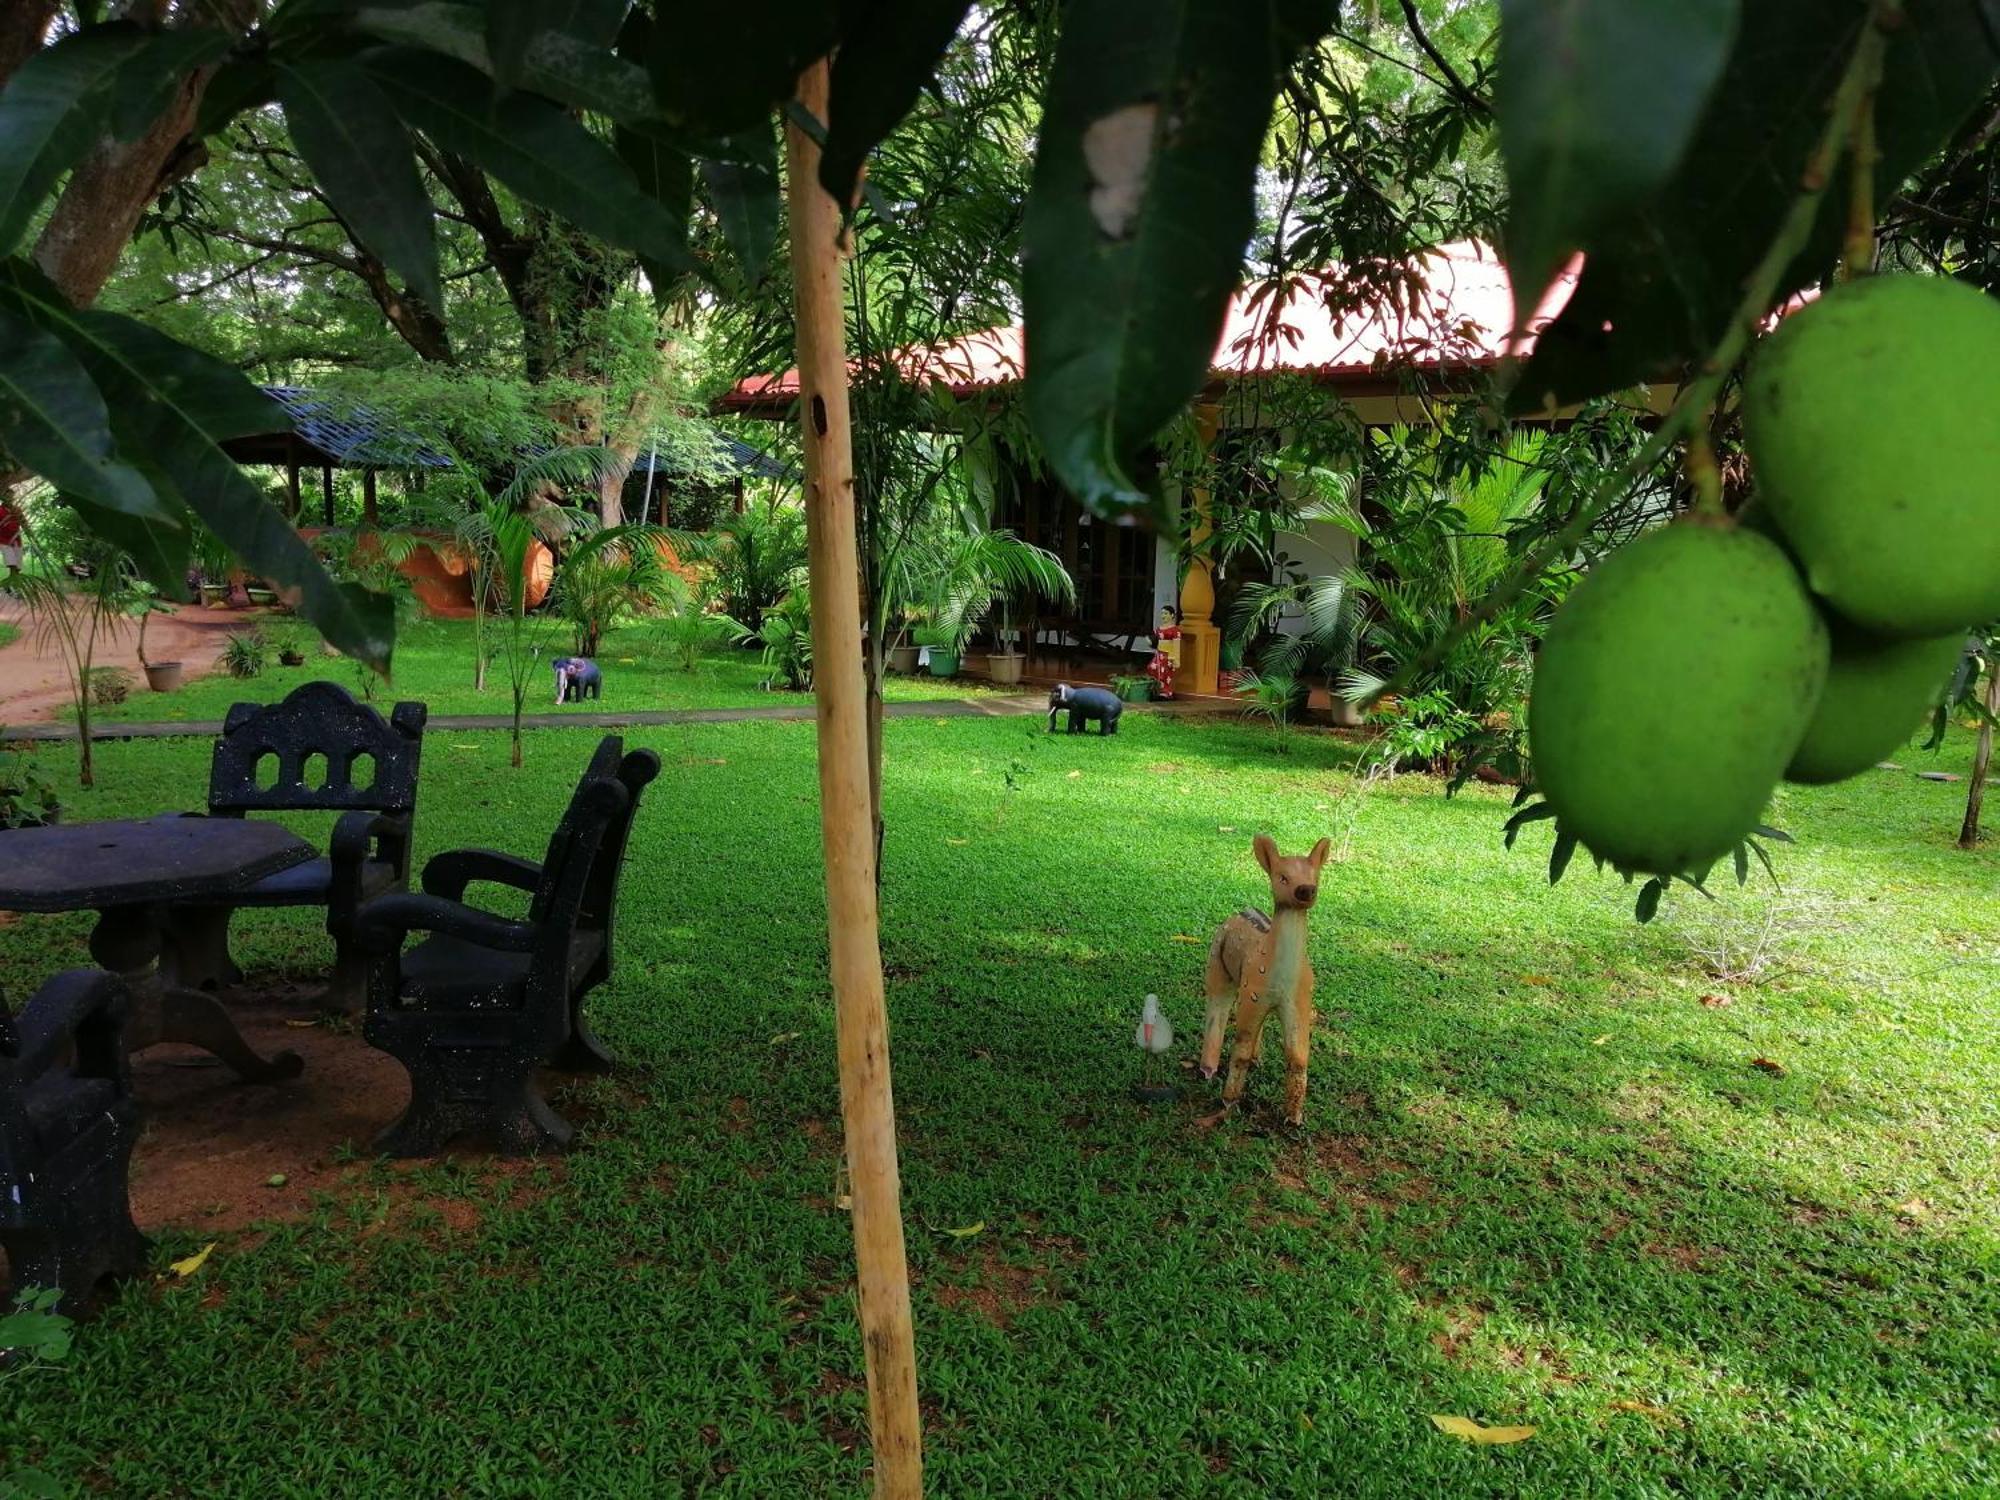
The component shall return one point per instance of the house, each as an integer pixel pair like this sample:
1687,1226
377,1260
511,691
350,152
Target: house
1433,337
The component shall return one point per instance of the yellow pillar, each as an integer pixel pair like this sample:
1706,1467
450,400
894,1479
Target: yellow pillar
1201,638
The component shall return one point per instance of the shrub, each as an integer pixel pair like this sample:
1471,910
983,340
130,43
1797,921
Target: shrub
27,798
245,653
108,685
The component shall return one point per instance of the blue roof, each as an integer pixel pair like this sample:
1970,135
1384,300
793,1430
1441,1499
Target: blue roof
355,437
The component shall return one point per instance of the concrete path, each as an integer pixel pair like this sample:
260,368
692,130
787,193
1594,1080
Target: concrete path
943,708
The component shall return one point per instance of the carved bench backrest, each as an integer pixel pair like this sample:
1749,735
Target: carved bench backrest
319,749
560,906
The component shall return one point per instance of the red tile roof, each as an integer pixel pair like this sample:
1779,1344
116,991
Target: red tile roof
1451,312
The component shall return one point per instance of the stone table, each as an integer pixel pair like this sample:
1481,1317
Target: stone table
130,872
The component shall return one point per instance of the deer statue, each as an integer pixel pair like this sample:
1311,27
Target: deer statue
1260,963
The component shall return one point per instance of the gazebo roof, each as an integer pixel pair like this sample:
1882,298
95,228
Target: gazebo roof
1448,314
326,434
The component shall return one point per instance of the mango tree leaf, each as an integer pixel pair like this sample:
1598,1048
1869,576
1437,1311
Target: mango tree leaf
554,63
159,550
888,52
665,174
1143,201
1661,283
150,79
1476,1432
234,87
175,405
43,130
514,26
746,199
1596,101
360,155
193,1263
52,419
535,148
720,68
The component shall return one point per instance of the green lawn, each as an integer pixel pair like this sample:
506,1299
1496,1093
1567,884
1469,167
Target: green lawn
1541,1180
434,660
9,633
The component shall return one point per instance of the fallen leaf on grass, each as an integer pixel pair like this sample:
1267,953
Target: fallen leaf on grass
1225,828
1764,1064
958,843
1538,980
276,1179
187,1268
1915,1208
1473,1432
963,1232
1645,1409
1601,1040
784,1036
1716,1002
1075,776
1187,937
461,745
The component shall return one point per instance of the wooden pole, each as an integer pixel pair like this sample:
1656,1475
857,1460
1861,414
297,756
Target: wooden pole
867,1103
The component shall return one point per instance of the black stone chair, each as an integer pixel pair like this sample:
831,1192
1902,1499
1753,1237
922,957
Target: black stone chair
474,1009
318,750
67,1124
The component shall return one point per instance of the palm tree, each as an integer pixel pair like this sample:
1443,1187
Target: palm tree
969,570
73,617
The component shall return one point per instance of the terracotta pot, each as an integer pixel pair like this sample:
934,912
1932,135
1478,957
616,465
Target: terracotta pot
164,676
903,660
1006,668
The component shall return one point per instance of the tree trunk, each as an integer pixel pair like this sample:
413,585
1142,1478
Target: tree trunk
868,1110
101,205
1982,762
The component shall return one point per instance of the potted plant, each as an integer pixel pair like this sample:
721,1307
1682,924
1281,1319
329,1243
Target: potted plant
27,799
943,646
903,654
1132,687
289,642
142,604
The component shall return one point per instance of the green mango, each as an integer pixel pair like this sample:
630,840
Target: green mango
1673,685
1872,417
1876,693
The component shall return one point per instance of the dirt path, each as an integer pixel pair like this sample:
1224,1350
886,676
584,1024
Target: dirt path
33,689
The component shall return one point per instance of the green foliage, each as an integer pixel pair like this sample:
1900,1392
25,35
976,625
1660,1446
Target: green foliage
966,570
755,558
360,153
788,645
27,796
107,686
1665,273
1596,105
33,1335
1274,697
244,653
614,574
689,630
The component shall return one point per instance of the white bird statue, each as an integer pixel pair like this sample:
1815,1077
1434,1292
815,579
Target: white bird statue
1155,1032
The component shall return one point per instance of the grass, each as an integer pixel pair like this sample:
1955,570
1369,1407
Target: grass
1540,1181
8,634
434,659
